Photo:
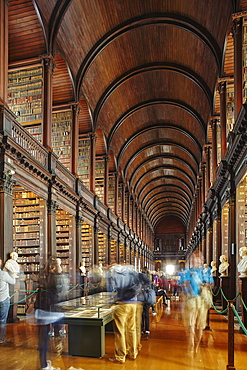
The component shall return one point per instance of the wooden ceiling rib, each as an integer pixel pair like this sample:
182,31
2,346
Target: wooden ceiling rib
145,74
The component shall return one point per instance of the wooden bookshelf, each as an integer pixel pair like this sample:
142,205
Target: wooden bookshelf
61,136
113,246
27,230
102,247
64,238
86,244
25,98
245,59
121,253
230,106
120,189
99,178
84,160
111,191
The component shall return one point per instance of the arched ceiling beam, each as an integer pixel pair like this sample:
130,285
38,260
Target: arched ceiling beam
162,214
153,67
165,186
56,18
190,110
155,157
168,205
163,178
160,142
166,167
156,127
170,195
163,200
176,20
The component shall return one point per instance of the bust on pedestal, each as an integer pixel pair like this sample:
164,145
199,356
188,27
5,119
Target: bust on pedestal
242,270
242,266
223,266
214,268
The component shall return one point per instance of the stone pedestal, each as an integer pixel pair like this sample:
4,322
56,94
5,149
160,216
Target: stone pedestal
243,291
224,284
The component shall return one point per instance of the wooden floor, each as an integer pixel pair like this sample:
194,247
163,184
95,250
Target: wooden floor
166,348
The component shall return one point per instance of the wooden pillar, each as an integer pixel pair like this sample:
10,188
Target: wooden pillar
128,208
232,241
207,157
78,256
218,230
116,194
106,179
133,216
238,65
214,146
51,225
4,51
48,64
92,162
6,214
123,202
210,245
75,138
95,242
222,91
203,183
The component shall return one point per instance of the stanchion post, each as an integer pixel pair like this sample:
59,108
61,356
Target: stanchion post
230,365
207,328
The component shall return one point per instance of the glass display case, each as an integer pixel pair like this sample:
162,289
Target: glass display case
87,318
95,306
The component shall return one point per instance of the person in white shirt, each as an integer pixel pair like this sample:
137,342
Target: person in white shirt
6,278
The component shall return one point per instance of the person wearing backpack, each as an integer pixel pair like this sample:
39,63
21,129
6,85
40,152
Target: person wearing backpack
124,280
148,298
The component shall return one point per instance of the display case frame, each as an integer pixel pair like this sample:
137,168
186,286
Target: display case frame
87,318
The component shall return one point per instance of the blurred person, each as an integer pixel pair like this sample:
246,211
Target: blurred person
53,288
6,277
124,280
197,299
146,284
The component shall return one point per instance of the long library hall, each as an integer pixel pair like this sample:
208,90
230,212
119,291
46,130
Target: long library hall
123,181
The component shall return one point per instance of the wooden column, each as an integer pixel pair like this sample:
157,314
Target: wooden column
95,242
232,241
6,209
51,225
210,245
128,208
218,231
106,179
133,216
207,157
203,183
238,65
75,139
214,146
222,91
123,202
48,64
4,51
78,256
116,194
92,162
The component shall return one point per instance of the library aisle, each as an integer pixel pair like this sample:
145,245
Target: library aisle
166,348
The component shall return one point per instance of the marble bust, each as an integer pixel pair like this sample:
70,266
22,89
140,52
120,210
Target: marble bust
223,265
12,265
213,266
242,266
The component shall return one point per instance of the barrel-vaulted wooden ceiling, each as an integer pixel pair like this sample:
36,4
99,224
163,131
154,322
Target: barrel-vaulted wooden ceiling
147,70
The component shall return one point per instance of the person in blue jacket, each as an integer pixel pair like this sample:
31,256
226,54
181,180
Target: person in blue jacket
195,282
